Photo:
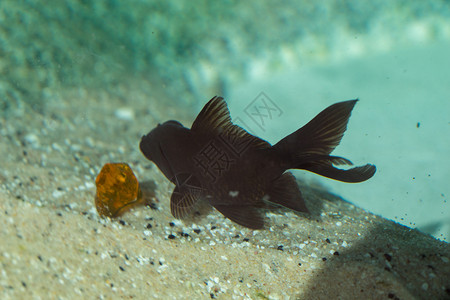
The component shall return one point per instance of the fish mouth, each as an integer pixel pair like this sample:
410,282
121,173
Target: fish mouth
144,146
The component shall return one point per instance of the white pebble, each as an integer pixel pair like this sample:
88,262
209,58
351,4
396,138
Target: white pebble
32,139
89,184
57,194
57,147
124,113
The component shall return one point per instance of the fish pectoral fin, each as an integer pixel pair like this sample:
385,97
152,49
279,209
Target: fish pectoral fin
357,174
285,192
245,215
182,201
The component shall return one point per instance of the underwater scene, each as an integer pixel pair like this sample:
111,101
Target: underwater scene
224,149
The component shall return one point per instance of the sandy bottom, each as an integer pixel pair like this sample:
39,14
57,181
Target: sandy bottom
55,246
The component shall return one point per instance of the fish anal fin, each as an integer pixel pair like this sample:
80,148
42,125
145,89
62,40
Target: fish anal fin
245,215
285,192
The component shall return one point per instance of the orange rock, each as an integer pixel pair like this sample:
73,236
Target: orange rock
117,190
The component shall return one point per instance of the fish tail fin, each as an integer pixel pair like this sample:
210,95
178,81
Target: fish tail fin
309,147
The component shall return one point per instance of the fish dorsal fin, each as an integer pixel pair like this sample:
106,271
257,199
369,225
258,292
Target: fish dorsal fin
285,192
214,117
214,120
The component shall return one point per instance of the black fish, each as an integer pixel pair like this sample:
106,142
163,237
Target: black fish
239,173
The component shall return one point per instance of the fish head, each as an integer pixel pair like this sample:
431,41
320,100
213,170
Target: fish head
162,143
153,142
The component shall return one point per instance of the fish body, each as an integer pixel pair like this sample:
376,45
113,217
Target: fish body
238,173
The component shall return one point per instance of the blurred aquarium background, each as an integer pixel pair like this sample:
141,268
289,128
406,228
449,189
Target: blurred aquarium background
148,61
